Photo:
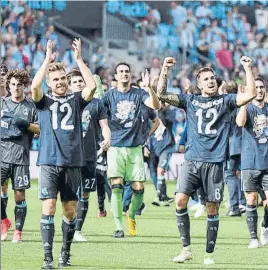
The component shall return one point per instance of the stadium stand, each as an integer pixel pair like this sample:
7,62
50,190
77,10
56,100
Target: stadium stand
214,33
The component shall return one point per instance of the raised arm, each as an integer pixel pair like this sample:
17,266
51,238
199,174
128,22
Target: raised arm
250,93
162,93
155,125
241,117
89,90
152,101
36,87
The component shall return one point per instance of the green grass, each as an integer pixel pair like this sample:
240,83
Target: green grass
154,247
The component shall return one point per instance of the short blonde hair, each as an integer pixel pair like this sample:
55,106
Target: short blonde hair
55,67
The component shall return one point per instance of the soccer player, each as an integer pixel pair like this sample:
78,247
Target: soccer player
150,123
254,160
61,154
4,93
208,117
93,117
161,146
237,199
15,153
125,157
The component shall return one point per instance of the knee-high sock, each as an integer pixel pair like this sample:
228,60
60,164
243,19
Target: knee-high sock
161,188
183,223
136,203
101,191
5,200
252,220
20,212
68,230
82,209
212,232
265,217
3,210
47,229
108,190
117,206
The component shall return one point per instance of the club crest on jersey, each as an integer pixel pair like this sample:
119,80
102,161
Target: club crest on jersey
25,112
260,128
125,112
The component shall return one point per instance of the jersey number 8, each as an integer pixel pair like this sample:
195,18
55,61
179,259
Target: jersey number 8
64,107
210,112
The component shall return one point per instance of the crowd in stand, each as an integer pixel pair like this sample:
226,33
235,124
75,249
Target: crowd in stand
215,30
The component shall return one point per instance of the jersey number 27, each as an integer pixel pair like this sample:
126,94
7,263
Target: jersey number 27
64,107
210,113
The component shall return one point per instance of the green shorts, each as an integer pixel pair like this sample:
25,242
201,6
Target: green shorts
126,163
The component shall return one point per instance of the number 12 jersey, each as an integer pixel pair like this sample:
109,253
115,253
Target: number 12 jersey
60,130
208,126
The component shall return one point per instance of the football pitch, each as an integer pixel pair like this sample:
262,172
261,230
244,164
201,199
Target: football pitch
154,247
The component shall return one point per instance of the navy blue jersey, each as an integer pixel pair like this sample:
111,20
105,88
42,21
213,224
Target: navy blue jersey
162,137
254,154
60,130
17,150
208,125
125,117
92,114
183,138
235,137
147,115
8,129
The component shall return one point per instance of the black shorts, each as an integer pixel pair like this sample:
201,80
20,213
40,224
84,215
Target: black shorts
54,179
89,177
101,166
207,176
19,175
253,180
233,163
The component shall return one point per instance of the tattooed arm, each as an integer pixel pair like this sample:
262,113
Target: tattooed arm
162,93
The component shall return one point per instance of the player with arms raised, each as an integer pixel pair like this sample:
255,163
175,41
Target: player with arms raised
254,160
208,123
61,149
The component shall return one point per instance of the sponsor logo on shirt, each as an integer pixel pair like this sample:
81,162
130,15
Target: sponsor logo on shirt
207,105
86,118
4,124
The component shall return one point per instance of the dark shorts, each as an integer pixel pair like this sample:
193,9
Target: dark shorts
54,179
19,175
253,180
233,163
207,176
89,177
101,162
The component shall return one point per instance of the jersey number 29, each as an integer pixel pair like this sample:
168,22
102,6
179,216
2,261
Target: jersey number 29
64,107
210,112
